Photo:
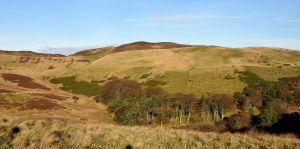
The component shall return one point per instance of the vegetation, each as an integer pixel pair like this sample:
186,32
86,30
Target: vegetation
50,67
75,98
264,100
186,88
154,82
63,134
78,87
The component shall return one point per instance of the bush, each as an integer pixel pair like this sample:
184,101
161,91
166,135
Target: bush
154,82
50,67
144,76
126,112
75,98
249,77
268,117
238,122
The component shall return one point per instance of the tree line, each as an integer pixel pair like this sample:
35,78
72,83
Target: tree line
260,104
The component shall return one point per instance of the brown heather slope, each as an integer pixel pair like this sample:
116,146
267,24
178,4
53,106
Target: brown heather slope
141,45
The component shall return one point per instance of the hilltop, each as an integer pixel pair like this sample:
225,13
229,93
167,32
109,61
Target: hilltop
142,45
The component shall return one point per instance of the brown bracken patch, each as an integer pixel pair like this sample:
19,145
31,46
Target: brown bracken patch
50,96
38,104
23,81
7,105
41,104
6,91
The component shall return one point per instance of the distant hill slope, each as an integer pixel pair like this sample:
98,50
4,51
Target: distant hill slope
197,69
30,53
92,52
148,45
177,68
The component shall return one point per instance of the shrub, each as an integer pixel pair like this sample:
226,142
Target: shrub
126,77
75,98
154,82
126,112
238,122
50,67
229,77
268,117
249,77
144,76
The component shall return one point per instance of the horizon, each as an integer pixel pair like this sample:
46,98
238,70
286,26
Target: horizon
65,27
73,50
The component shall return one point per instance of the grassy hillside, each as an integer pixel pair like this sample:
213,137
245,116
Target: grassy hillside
147,45
198,70
60,134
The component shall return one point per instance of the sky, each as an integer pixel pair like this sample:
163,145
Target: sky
65,26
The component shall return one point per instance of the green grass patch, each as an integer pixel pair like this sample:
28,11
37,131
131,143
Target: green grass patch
178,81
154,82
248,77
139,70
98,81
78,87
126,77
192,50
145,76
232,53
112,77
274,73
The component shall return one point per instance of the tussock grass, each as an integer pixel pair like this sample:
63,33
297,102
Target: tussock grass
61,134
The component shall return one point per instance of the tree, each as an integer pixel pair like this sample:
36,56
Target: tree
126,111
221,104
182,106
238,122
268,117
151,109
154,91
120,89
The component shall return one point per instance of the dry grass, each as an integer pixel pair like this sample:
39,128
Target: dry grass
206,66
61,134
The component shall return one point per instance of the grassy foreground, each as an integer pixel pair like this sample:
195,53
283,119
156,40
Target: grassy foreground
61,134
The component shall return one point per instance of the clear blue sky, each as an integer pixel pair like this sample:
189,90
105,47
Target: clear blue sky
56,25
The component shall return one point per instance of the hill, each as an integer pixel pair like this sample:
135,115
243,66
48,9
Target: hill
148,45
45,98
192,69
197,69
30,53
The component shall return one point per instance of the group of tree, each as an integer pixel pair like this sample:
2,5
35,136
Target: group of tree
131,104
260,104
263,102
